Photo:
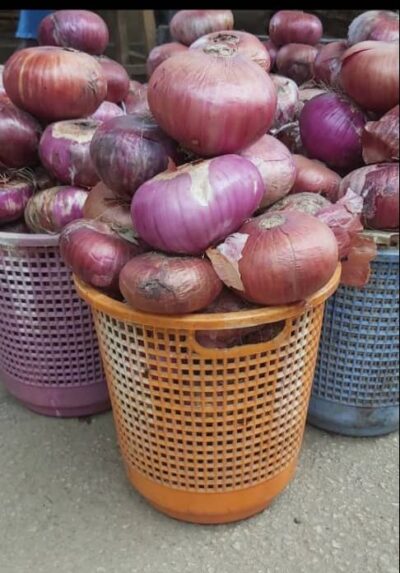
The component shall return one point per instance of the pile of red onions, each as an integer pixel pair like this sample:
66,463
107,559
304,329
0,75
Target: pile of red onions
381,25
19,137
65,151
217,186
80,29
212,121
380,139
50,210
294,26
188,25
156,282
378,185
187,210
277,258
54,83
127,151
370,75
276,166
242,42
331,127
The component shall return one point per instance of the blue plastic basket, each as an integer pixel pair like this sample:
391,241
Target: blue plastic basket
356,385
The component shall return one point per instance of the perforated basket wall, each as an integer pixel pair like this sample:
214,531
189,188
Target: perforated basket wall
194,422
49,356
356,384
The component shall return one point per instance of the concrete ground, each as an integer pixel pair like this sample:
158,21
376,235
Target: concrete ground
66,507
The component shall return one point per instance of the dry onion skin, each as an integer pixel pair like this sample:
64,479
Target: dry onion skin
277,258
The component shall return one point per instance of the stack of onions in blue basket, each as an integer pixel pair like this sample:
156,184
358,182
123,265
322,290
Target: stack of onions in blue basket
237,176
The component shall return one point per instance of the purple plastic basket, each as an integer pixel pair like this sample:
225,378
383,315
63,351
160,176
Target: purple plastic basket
49,356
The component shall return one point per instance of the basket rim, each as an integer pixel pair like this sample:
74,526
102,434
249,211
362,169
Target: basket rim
28,239
203,321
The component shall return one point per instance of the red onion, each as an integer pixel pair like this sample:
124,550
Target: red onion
272,51
343,218
54,83
160,53
296,61
380,139
79,29
331,128
276,166
95,253
117,79
294,26
155,282
265,333
14,195
305,94
188,25
378,185
289,135
381,25
304,202
313,176
128,150
19,137
223,102
136,100
370,75
288,100
15,227
277,258
356,268
187,210
241,42
51,209
65,151
105,111
226,302
103,205
327,64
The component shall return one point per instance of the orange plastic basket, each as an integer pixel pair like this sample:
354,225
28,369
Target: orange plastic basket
208,435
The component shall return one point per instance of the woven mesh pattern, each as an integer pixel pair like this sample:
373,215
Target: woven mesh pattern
47,335
192,422
358,359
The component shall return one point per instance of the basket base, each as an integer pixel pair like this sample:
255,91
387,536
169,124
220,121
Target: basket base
211,508
352,421
59,401
83,411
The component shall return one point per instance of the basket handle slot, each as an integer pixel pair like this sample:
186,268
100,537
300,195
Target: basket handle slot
277,340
